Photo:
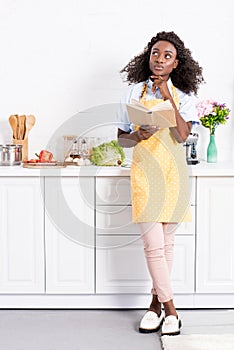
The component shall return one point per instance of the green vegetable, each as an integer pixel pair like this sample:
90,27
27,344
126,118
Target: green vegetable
108,153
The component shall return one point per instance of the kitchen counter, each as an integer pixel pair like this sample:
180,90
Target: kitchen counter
201,169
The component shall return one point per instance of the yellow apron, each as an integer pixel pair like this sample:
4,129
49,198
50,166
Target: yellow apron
159,178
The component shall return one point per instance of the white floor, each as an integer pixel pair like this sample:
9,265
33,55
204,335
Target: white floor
97,329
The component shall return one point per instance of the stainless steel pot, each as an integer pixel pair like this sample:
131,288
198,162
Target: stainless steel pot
10,154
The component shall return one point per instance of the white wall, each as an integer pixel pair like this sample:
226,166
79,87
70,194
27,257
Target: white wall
60,57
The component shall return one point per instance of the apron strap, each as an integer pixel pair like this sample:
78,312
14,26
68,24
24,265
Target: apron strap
174,93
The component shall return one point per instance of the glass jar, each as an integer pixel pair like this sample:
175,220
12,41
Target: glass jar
84,149
74,152
67,144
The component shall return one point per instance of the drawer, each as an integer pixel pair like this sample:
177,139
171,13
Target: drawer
118,220
117,190
115,220
113,190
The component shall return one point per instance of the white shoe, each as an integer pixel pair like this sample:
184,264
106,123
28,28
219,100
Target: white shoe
151,322
171,325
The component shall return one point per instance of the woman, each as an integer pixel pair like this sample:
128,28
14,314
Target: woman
165,70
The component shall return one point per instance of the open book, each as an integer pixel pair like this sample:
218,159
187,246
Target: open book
161,115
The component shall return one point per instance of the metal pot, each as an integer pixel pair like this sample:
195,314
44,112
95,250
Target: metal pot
10,154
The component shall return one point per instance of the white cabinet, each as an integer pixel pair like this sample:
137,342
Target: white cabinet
21,235
215,235
48,243
120,261
68,235
121,265
69,232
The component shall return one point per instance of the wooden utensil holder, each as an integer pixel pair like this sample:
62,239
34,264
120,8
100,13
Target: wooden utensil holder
24,143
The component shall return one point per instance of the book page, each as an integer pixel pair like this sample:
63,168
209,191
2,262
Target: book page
160,106
165,105
138,104
161,115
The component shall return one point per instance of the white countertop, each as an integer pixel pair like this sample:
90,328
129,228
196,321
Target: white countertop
201,169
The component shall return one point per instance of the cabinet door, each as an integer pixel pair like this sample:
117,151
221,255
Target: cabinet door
215,235
183,276
121,265
21,235
69,228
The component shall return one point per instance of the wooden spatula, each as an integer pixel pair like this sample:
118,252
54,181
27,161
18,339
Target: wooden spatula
29,122
22,125
13,122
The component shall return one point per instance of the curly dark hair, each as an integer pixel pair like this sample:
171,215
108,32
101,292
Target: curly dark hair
187,76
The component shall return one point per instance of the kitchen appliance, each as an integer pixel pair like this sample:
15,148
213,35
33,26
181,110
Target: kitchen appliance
191,149
10,154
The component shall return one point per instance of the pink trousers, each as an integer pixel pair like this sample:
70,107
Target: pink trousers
158,241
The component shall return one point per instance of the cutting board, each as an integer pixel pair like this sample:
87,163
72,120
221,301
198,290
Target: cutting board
44,165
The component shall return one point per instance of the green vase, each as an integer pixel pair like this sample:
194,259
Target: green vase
212,150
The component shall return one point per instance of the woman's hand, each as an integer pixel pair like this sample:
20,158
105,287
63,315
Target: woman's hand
162,85
127,139
183,128
146,131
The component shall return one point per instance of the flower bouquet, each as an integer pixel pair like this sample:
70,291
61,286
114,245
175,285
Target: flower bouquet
211,114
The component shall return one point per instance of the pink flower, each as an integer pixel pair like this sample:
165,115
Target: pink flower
205,107
212,113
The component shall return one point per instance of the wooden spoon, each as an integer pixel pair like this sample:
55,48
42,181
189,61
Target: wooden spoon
22,126
14,123
29,122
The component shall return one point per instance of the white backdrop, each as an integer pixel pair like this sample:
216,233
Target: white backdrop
60,57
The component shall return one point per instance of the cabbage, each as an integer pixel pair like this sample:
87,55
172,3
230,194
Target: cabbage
108,153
